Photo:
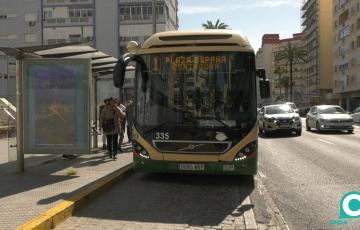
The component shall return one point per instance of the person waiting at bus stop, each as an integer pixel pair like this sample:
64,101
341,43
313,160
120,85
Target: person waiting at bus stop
110,121
122,125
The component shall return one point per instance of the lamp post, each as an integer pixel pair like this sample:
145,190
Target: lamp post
154,16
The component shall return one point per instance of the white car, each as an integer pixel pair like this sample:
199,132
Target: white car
329,117
279,117
356,115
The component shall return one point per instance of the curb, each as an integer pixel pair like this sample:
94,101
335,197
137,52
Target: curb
58,214
249,217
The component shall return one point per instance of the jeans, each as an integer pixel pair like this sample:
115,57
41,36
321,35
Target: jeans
112,143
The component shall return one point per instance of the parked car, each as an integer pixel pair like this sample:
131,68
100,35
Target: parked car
292,104
279,117
329,117
356,115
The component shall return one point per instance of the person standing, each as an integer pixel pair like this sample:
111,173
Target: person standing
100,124
110,120
129,119
122,125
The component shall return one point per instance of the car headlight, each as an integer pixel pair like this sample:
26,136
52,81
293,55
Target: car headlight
246,152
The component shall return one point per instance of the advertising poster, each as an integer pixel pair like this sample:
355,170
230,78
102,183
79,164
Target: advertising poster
56,106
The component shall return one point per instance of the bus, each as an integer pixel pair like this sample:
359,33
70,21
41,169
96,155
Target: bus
195,103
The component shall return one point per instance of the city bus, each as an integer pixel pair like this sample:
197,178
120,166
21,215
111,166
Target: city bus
195,103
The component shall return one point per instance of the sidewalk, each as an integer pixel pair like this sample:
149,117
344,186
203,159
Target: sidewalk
26,196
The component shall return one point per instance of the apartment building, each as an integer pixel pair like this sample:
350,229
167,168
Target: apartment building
264,59
317,20
20,25
278,72
346,52
106,25
281,73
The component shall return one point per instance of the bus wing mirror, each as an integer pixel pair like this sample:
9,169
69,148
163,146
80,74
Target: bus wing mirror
264,88
120,69
260,73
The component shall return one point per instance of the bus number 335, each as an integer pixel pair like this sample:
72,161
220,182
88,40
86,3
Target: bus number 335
162,136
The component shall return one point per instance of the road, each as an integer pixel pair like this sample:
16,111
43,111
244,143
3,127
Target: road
302,177
167,201
306,176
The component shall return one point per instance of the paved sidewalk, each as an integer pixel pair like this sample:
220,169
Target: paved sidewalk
26,196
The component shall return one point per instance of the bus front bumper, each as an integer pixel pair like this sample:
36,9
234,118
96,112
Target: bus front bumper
245,167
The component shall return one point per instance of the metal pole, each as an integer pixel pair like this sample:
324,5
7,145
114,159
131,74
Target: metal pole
154,15
96,111
19,115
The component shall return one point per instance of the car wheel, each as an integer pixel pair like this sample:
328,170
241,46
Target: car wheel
308,128
350,131
298,132
264,132
318,126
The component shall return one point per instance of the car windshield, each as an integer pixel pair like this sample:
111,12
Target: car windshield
281,109
292,105
331,110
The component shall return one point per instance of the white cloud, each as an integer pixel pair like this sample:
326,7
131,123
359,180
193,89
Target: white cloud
197,9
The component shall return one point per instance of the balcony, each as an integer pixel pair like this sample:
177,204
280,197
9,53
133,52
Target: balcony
53,22
65,2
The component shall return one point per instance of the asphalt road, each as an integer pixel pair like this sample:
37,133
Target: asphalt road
306,176
168,201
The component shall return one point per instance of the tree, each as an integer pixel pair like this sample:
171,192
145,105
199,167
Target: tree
217,25
291,54
279,70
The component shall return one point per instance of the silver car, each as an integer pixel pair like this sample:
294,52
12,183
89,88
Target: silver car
356,115
329,117
279,117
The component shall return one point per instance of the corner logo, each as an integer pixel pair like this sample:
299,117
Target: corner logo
350,205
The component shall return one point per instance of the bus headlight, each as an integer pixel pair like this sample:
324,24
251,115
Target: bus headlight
139,151
246,152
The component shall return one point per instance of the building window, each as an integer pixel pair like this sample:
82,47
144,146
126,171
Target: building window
358,42
47,14
8,36
30,38
358,23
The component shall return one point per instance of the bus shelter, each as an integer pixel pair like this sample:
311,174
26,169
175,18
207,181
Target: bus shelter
100,86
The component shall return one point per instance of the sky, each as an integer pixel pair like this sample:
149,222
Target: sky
253,18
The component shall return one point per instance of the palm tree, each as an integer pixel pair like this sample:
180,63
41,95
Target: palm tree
279,70
291,54
217,25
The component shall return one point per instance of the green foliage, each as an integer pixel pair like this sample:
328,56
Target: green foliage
290,54
71,172
217,25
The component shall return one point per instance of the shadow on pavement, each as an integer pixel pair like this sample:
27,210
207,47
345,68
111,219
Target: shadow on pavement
278,135
196,200
329,132
44,173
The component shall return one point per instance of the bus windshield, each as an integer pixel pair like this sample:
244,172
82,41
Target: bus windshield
197,91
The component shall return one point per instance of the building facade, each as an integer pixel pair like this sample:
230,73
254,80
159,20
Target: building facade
346,52
281,73
106,25
20,25
317,18
278,72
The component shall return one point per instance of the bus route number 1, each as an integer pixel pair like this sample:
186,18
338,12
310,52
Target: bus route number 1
162,136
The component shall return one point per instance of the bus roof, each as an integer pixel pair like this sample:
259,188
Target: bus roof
198,38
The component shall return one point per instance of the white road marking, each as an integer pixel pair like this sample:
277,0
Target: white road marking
261,174
328,142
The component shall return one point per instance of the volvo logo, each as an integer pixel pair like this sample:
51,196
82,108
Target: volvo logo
190,147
